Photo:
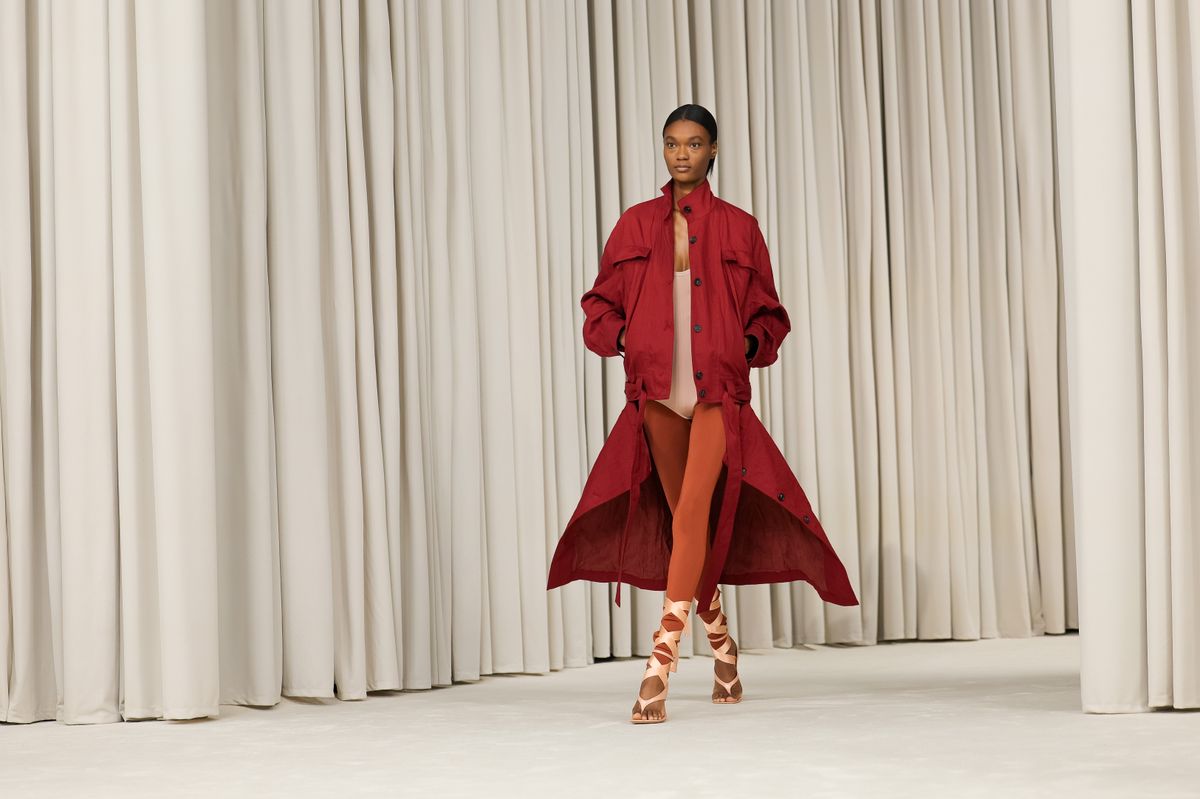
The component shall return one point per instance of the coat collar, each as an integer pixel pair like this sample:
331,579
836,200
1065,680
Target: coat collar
699,200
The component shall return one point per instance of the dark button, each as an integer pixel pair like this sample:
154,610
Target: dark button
806,519
696,328
692,239
743,470
702,392
687,209
696,281
699,375
781,496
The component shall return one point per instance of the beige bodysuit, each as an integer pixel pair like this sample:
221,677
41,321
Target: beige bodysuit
683,389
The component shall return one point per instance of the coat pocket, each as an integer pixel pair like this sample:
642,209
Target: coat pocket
630,255
739,271
631,259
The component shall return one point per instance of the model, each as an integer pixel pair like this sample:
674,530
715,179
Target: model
689,490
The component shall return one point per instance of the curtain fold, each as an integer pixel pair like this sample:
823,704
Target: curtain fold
293,400
1130,201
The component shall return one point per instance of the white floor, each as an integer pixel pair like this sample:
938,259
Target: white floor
993,718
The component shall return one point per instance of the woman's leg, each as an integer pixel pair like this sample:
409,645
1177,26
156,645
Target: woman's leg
697,456
667,434
727,687
689,553
706,449
689,529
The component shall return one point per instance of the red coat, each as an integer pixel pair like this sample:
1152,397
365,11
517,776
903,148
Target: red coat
765,530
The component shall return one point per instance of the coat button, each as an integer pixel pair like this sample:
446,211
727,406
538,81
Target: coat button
781,496
696,281
699,375
743,470
702,392
692,239
696,328
806,519
687,209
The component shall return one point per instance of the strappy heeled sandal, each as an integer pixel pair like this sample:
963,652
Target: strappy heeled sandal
721,643
654,668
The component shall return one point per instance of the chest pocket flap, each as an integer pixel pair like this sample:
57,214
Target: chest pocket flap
736,256
629,252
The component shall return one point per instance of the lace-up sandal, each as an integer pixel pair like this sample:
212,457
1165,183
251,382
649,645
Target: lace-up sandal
724,651
663,660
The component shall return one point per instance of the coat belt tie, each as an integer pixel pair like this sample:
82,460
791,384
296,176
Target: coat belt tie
635,481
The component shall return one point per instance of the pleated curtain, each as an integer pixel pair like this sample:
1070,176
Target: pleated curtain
293,398
910,401
1130,174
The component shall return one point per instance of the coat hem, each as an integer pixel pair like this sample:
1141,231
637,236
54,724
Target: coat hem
833,597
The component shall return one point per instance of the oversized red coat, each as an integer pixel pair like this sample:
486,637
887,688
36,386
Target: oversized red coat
762,525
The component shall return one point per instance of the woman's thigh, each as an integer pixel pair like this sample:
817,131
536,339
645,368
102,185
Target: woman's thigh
668,433
705,454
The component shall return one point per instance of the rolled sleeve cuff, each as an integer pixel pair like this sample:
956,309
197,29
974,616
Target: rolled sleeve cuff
601,335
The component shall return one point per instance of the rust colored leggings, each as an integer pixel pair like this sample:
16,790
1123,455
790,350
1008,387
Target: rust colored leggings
687,454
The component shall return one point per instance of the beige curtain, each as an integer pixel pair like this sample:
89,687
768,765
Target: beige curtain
1130,199
884,147
292,394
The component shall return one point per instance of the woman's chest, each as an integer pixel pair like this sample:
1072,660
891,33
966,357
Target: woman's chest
712,253
712,249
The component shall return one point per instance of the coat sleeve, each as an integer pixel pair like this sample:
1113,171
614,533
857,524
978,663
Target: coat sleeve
604,303
767,321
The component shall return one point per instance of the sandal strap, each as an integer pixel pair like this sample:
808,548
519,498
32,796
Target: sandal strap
678,608
670,641
670,638
723,655
659,670
728,686
718,631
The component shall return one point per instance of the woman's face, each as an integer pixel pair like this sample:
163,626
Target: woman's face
687,151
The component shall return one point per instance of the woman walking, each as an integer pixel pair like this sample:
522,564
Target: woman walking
689,490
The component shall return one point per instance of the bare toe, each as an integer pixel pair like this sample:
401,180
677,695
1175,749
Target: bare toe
651,686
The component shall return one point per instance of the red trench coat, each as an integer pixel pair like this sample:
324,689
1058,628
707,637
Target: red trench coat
762,525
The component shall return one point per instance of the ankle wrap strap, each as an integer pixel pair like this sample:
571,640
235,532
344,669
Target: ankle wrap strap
718,631
670,638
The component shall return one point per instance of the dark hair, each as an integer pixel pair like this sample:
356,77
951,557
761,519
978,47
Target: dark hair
699,114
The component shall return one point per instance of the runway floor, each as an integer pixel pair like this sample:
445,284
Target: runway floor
997,718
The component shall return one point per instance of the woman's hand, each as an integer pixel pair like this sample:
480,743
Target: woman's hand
751,347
